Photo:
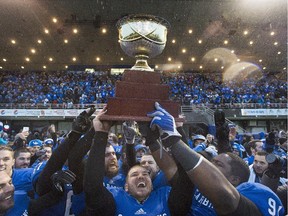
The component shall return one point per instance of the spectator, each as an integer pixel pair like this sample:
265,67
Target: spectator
210,140
6,193
113,139
3,135
22,158
259,166
254,147
238,149
199,143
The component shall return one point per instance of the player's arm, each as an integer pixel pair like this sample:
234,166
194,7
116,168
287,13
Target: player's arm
165,162
99,201
75,159
130,132
80,125
205,176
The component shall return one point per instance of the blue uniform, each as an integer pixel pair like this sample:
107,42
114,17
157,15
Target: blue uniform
116,182
249,160
160,180
156,204
22,179
78,201
63,206
21,203
263,197
201,206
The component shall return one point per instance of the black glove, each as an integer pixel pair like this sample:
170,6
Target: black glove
40,152
60,178
152,139
82,123
222,132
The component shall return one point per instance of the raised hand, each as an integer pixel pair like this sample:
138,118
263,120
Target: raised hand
103,126
130,131
164,121
82,122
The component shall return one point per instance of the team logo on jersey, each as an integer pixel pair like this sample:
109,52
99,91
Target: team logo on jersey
140,212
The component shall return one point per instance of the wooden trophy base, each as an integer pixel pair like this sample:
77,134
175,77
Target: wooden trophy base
136,95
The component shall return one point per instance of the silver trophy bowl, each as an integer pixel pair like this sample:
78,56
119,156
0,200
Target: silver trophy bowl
142,37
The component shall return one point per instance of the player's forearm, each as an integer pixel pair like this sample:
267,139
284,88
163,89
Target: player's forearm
130,155
207,178
55,163
75,158
95,167
165,162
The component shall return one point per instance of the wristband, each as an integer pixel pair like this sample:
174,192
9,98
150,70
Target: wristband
188,158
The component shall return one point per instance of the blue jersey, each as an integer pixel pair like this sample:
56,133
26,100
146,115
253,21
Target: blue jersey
116,182
249,160
201,206
22,179
78,201
160,180
62,207
21,203
156,204
200,147
263,197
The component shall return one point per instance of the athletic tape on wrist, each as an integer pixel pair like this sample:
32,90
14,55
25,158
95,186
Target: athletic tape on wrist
199,162
188,158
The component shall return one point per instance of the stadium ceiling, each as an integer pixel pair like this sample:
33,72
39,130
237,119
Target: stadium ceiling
207,34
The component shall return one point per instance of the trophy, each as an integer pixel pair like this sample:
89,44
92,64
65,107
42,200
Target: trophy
142,37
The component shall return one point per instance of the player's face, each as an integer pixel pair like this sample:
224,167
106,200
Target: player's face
150,164
47,155
209,138
222,162
6,161
138,183
34,149
111,163
235,151
260,164
6,192
197,142
23,160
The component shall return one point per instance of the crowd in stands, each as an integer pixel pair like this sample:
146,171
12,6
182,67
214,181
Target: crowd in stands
130,174
65,89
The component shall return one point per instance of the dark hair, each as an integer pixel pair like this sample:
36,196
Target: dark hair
252,143
262,153
20,150
18,143
239,167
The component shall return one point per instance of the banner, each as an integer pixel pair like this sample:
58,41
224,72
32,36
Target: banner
264,112
42,112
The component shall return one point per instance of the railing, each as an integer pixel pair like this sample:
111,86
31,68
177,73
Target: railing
184,108
211,113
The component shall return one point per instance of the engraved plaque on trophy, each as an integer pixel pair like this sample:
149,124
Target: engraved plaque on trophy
141,37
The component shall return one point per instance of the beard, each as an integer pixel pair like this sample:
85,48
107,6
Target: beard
110,173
